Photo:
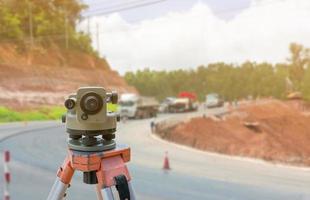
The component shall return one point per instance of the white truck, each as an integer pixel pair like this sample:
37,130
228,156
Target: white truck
182,105
135,106
214,100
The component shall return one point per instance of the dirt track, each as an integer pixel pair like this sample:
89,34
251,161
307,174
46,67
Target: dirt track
271,130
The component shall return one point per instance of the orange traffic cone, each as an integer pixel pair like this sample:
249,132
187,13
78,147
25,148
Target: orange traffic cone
166,165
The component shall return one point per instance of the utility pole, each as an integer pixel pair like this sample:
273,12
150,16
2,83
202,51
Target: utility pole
88,25
98,38
30,23
66,30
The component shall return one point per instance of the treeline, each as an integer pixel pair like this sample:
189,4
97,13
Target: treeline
43,22
231,81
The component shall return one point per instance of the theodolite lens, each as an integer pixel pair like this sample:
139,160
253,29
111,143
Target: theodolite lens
91,103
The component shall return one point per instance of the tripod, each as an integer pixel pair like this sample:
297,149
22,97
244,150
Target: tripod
105,168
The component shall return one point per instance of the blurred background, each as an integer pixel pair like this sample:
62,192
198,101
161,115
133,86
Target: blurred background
214,95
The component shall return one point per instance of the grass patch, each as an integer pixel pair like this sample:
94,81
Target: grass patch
112,107
39,114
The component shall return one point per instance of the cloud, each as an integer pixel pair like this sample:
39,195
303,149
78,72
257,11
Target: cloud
188,39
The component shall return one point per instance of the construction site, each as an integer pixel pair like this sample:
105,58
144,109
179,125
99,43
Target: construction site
155,99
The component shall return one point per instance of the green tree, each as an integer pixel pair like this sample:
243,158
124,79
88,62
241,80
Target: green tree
52,21
9,24
299,58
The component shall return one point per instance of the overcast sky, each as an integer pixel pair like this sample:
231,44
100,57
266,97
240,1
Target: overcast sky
186,33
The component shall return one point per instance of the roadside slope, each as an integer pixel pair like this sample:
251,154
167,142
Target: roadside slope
271,130
44,76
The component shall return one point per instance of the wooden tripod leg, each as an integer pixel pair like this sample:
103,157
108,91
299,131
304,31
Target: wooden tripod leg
64,176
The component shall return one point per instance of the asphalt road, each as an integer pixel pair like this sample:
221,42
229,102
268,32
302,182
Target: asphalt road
38,149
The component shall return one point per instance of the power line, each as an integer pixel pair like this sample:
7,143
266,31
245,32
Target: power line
97,2
106,3
117,6
105,12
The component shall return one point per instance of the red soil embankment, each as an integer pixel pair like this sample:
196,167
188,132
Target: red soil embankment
45,76
270,130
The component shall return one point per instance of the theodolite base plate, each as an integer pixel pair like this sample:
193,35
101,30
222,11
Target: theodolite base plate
102,145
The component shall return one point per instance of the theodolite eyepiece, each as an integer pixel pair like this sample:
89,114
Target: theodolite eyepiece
87,117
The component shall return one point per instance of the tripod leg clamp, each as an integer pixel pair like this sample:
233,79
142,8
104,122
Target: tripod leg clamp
66,172
121,185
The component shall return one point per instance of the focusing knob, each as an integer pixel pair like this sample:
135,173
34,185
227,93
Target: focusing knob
69,103
114,97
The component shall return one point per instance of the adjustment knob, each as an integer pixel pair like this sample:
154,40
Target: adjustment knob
114,97
70,103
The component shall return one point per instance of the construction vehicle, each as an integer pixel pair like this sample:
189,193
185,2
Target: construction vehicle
165,104
214,100
138,107
185,102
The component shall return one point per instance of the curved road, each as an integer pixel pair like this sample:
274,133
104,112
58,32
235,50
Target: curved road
38,149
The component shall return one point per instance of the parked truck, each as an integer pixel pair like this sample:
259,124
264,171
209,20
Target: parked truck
165,104
214,100
139,107
185,102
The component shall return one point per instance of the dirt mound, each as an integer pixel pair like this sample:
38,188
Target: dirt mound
45,76
272,130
